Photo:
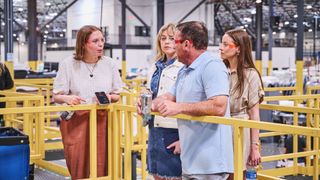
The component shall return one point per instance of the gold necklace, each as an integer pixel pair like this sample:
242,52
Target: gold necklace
91,70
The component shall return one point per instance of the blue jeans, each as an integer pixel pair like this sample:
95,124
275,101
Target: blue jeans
161,161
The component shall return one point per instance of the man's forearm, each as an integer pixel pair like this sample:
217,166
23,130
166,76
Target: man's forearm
211,107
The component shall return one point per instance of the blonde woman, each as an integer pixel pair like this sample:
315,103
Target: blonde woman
163,144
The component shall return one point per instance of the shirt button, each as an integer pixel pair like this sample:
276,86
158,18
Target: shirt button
161,87
163,75
157,124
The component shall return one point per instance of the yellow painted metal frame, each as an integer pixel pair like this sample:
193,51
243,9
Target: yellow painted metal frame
123,139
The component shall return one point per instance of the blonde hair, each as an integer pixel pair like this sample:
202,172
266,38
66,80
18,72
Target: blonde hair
171,28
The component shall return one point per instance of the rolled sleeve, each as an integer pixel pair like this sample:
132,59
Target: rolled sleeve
256,92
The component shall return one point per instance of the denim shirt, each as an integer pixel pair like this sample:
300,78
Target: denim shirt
167,79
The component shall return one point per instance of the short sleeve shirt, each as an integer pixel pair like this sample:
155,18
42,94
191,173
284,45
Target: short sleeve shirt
205,148
74,78
252,92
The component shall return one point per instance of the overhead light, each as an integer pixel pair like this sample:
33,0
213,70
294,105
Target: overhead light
48,4
46,32
64,30
309,6
61,35
253,11
258,1
24,20
286,23
20,9
310,30
44,42
47,26
3,24
14,35
263,35
1,36
45,36
295,16
53,14
274,33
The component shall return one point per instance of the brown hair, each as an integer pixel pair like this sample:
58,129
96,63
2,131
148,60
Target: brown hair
195,31
82,38
170,28
1,68
245,60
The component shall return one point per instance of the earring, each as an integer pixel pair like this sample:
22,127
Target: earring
238,53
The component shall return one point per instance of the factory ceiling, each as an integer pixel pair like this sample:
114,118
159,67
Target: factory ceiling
284,16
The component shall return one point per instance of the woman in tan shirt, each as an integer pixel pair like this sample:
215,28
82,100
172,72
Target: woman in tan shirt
246,89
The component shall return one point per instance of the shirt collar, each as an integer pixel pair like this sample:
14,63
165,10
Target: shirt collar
203,57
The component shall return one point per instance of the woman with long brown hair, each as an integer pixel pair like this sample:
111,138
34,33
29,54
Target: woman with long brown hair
246,88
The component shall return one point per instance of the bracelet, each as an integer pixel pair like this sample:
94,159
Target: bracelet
256,143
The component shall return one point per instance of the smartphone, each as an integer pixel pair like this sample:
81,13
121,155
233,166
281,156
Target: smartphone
102,97
66,115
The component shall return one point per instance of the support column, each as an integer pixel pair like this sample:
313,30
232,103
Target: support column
258,35
123,39
270,37
299,50
8,37
32,40
160,14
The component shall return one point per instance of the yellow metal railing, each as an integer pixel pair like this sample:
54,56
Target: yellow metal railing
124,141
311,89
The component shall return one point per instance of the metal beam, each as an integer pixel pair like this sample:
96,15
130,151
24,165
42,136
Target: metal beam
217,23
160,14
33,34
62,11
191,11
239,21
123,39
258,30
8,38
270,37
258,36
300,31
135,14
18,24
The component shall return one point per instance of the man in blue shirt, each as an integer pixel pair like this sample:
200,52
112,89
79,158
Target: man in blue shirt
202,88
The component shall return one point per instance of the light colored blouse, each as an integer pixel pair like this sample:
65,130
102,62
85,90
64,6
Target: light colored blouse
252,93
73,78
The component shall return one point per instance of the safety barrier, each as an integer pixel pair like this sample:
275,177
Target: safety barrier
312,121
122,143
125,118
